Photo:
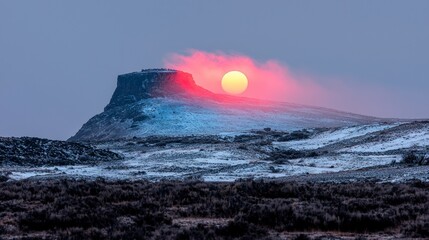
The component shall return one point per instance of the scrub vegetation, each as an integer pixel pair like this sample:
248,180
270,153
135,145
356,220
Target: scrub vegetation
100,209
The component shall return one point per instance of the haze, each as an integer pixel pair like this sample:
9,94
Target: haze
59,60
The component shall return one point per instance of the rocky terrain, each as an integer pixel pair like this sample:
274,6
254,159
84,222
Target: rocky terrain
37,152
327,154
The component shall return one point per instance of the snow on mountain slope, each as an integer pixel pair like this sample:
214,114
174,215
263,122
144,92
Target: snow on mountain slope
414,136
374,138
413,139
159,102
335,135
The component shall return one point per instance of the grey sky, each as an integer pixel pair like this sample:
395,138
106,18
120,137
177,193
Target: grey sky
59,60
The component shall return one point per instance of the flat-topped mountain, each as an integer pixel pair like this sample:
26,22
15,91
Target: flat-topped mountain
168,102
151,83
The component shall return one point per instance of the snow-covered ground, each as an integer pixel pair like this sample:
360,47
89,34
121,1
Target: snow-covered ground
339,149
212,166
410,139
334,135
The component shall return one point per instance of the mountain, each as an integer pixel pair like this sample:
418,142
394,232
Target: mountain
168,102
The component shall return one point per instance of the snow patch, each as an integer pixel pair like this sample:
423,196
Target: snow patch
332,136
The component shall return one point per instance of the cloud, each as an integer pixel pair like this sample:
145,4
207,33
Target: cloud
267,80
273,80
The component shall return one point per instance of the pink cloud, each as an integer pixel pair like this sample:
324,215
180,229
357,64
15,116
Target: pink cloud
273,80
267,80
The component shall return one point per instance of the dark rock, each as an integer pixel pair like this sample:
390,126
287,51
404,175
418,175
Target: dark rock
280,156
413,158
296,135
3,178
37,151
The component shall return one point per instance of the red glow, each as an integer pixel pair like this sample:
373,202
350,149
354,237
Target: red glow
267,80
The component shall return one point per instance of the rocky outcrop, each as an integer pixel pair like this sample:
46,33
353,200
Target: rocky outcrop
135,86
134,92
30,151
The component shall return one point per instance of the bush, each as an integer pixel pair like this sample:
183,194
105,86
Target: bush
295,135
415,159
3,178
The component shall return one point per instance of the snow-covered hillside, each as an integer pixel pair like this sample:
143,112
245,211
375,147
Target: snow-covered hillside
156,102
259,154
374,138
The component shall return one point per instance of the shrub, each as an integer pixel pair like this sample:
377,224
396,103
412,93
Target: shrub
415,159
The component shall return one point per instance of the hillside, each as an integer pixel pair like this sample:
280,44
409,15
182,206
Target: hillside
168,102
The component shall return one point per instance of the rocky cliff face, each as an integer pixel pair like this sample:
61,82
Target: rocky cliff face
149,83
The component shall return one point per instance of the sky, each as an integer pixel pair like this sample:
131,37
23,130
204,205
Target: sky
59,60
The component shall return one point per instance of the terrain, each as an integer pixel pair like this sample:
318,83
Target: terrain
374,151
167,159
27,151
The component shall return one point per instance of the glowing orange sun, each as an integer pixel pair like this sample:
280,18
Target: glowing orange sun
234,82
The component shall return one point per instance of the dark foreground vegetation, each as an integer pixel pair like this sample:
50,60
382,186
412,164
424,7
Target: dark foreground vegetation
79,209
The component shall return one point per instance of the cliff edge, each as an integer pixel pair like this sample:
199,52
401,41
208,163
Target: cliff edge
150,83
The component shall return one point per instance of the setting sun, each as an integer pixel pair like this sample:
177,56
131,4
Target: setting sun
234,82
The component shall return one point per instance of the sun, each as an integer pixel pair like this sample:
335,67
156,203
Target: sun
234,82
